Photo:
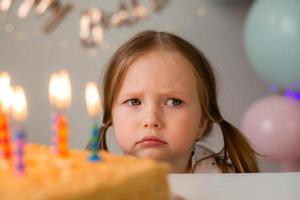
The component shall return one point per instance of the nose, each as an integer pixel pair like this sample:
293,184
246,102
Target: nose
152,124
152,118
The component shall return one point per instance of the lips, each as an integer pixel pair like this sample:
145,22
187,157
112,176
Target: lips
151,141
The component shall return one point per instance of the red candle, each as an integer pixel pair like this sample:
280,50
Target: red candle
5,106
5,142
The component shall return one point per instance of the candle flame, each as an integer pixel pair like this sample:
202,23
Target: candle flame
4,79
19,104
60,90
5,92
92,99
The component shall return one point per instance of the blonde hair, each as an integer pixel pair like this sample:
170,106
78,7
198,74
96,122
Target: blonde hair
236,148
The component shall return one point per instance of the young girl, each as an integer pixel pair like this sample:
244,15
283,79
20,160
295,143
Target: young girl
160,98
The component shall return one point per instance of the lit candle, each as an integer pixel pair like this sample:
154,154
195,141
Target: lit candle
60,98
19,114
93,106
5,106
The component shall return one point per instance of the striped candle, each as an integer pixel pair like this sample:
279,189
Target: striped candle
19,152
54,119
19,114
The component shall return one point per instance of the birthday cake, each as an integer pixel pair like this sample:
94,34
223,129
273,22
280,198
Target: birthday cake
48,176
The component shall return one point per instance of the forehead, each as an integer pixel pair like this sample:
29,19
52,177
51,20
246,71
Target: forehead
162,69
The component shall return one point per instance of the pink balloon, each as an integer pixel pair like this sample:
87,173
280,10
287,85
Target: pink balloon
272,126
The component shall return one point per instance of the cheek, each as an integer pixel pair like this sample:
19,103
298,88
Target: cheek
123,128
184,128
184,135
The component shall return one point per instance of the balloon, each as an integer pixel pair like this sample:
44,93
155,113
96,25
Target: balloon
272,126
272,41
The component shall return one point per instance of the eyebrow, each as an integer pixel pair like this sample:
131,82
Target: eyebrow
164,93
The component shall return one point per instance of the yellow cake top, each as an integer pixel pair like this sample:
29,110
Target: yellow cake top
51,176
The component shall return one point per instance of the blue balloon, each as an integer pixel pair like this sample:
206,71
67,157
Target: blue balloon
272,40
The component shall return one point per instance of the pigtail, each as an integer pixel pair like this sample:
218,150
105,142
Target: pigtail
101,138
237,148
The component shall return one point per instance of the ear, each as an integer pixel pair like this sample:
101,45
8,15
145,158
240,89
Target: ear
203,124
202,127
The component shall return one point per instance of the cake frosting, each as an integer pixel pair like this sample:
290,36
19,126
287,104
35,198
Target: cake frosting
49,176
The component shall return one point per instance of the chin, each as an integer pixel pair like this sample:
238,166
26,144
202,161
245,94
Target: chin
152,153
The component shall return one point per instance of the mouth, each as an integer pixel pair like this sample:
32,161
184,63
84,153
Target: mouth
151,141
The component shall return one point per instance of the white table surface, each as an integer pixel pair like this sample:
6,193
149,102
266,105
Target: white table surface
273,186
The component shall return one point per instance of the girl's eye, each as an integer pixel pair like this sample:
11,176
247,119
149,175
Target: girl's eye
133,102
173,102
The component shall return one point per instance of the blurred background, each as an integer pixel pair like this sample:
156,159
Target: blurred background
30,53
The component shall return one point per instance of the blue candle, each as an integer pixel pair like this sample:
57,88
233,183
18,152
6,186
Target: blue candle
94,144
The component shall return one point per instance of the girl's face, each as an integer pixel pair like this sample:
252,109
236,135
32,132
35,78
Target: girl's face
157,111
